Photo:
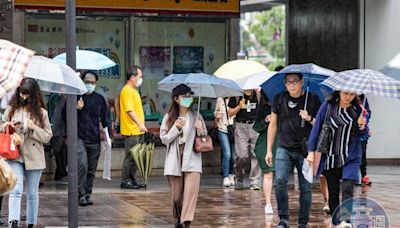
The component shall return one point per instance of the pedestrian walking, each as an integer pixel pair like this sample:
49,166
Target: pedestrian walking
341,164
182,165
132,124
26,114
228,148
287,116
92,110
245,110
261,126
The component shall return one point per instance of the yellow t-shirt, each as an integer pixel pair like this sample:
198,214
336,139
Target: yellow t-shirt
130,101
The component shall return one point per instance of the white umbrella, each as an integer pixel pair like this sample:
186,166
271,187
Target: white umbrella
254,81
55,77
88,60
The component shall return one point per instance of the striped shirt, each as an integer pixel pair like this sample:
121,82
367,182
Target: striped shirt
342,121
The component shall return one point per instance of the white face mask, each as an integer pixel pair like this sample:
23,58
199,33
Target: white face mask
139,82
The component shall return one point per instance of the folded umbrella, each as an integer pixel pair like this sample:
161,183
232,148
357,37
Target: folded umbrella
14,60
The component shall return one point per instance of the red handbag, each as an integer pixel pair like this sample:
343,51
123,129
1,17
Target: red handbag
203,144
8,149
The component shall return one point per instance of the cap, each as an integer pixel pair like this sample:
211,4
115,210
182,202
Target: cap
180,90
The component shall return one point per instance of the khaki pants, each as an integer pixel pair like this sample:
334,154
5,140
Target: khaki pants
184,191
245,141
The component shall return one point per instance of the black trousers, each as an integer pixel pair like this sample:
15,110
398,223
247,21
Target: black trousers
88,156
333,177
363,167
60,153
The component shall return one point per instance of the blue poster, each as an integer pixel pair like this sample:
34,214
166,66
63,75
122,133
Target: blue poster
188,60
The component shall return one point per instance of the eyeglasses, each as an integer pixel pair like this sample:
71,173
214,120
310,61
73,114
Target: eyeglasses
90,82
294,83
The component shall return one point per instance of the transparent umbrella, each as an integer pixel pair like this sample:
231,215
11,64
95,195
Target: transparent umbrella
55,77
88,60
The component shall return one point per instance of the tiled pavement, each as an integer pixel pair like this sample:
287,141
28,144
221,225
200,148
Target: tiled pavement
217,207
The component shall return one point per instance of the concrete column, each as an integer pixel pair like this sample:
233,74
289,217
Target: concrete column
18,31
234,38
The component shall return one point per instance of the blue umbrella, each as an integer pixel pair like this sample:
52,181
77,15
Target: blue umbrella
313,75
203,85
392,69
88,60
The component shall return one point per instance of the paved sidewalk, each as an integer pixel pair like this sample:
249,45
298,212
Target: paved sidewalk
217,207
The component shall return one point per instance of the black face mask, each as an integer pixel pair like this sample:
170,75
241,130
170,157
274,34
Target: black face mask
23,101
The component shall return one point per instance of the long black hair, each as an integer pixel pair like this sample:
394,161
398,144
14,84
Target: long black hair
334,99
35,101
173,112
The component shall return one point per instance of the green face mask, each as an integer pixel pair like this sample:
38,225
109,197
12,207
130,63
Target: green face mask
186,101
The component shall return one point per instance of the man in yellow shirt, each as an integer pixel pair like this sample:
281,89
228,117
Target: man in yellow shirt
132,124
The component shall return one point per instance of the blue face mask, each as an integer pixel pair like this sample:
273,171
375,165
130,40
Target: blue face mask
186,101
90,87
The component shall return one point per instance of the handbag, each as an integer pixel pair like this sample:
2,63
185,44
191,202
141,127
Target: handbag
203,144
7,177
8,149
325,135
229,127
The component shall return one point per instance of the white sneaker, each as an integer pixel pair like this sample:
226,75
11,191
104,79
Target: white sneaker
268,209
232,179
226,182
326,208
344,224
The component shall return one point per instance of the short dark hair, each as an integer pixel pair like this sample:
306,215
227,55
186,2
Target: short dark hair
300,75
133,70
90,72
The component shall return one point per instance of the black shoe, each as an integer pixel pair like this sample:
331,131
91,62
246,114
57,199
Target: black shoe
1,222
89,200
129,185
138,184
14,224
31,225
283,224
82,201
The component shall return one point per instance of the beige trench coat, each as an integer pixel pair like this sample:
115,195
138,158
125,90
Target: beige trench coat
31,151
170,137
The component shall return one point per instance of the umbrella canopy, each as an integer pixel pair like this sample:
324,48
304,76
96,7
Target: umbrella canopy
392,69
88,60
254,81
313,75
203,85
239,69
364,81
14,60
55,77
143,154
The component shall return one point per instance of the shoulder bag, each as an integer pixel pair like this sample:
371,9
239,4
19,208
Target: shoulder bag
8,149
230,127
325,135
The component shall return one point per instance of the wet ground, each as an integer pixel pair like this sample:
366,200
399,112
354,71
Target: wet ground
217,206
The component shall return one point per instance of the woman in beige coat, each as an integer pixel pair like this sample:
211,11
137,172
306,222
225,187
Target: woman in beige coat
182,165
27,116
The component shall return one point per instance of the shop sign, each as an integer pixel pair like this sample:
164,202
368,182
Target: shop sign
186,6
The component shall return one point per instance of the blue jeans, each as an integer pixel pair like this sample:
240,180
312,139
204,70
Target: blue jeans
285,160
32,179
228,156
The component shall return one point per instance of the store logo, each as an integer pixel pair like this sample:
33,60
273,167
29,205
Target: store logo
361,212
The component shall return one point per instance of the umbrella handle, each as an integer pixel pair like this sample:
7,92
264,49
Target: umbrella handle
198,107
305,105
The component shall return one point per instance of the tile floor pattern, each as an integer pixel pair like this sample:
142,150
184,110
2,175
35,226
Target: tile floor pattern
216,207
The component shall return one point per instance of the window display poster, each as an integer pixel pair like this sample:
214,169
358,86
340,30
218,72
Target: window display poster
47,38
155,61
195,46
188,60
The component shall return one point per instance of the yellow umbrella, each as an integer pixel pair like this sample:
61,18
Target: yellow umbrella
237,69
